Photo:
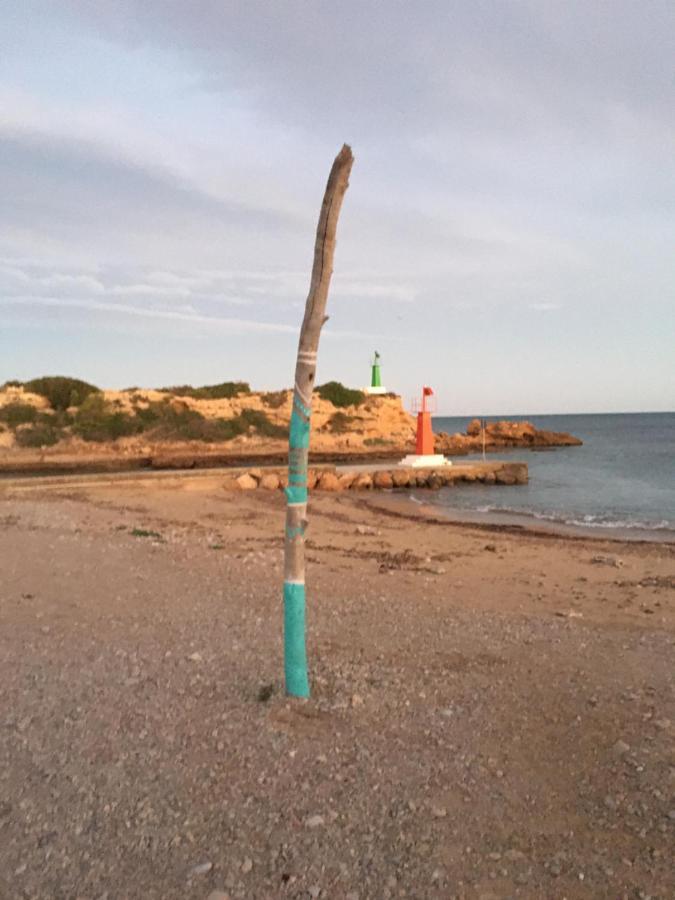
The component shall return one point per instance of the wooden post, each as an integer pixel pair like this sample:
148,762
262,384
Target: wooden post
295,653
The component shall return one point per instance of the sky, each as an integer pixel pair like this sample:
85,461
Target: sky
507,237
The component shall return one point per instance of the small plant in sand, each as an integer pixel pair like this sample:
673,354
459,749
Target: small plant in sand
145,533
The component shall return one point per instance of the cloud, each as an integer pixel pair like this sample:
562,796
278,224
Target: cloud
512,68
193,299
47,178
166,161
545,307
229,325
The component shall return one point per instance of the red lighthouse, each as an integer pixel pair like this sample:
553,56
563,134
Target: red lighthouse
425,435
424,444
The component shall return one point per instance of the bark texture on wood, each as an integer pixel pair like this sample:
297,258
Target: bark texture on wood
295,654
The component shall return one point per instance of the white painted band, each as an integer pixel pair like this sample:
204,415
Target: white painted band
307,402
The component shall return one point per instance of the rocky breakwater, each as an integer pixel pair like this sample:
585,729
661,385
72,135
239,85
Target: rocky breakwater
329,478
500,435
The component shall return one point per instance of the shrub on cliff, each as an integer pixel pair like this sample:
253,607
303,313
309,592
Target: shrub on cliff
224,391
98,420
274,399
59,391
168,421
339,423
18,414
339,395
257,419
41,434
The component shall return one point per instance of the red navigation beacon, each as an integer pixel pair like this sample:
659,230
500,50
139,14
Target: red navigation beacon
425,435
424,444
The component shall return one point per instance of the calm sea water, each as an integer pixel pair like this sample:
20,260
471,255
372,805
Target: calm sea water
622,478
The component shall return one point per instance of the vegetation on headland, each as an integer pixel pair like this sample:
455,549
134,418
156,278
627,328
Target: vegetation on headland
83,411
77,409
225,391
339,395
18,414
99,420
275,399
60,392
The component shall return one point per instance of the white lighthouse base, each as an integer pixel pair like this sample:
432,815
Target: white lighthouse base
375,390
430,460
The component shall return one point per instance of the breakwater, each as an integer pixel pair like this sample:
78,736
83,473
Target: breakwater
373,477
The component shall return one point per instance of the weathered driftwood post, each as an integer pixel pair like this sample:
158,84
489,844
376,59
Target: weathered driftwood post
295,653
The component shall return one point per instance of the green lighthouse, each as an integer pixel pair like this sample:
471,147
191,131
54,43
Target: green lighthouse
375,380
376,386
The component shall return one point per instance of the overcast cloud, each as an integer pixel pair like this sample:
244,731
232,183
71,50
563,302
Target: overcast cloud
507,235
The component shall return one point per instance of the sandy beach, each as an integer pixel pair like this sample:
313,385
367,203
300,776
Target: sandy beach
492,712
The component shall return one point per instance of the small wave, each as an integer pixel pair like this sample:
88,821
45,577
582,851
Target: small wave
588,520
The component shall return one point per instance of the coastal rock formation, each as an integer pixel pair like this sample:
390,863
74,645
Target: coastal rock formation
502,434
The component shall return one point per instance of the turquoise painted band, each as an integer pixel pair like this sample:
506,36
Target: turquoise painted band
296,494
299,432
295,653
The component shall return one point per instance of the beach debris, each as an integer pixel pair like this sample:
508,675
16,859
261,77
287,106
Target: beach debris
247,865
314,821
570,614
196,657
366,529
601,560
201,869
620,748
491,548
265,692
658,581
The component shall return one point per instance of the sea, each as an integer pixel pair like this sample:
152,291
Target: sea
621,482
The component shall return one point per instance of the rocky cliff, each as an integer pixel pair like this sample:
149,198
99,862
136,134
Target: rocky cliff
141,421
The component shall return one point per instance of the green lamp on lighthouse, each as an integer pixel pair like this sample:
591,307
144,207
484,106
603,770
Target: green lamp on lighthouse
376,386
